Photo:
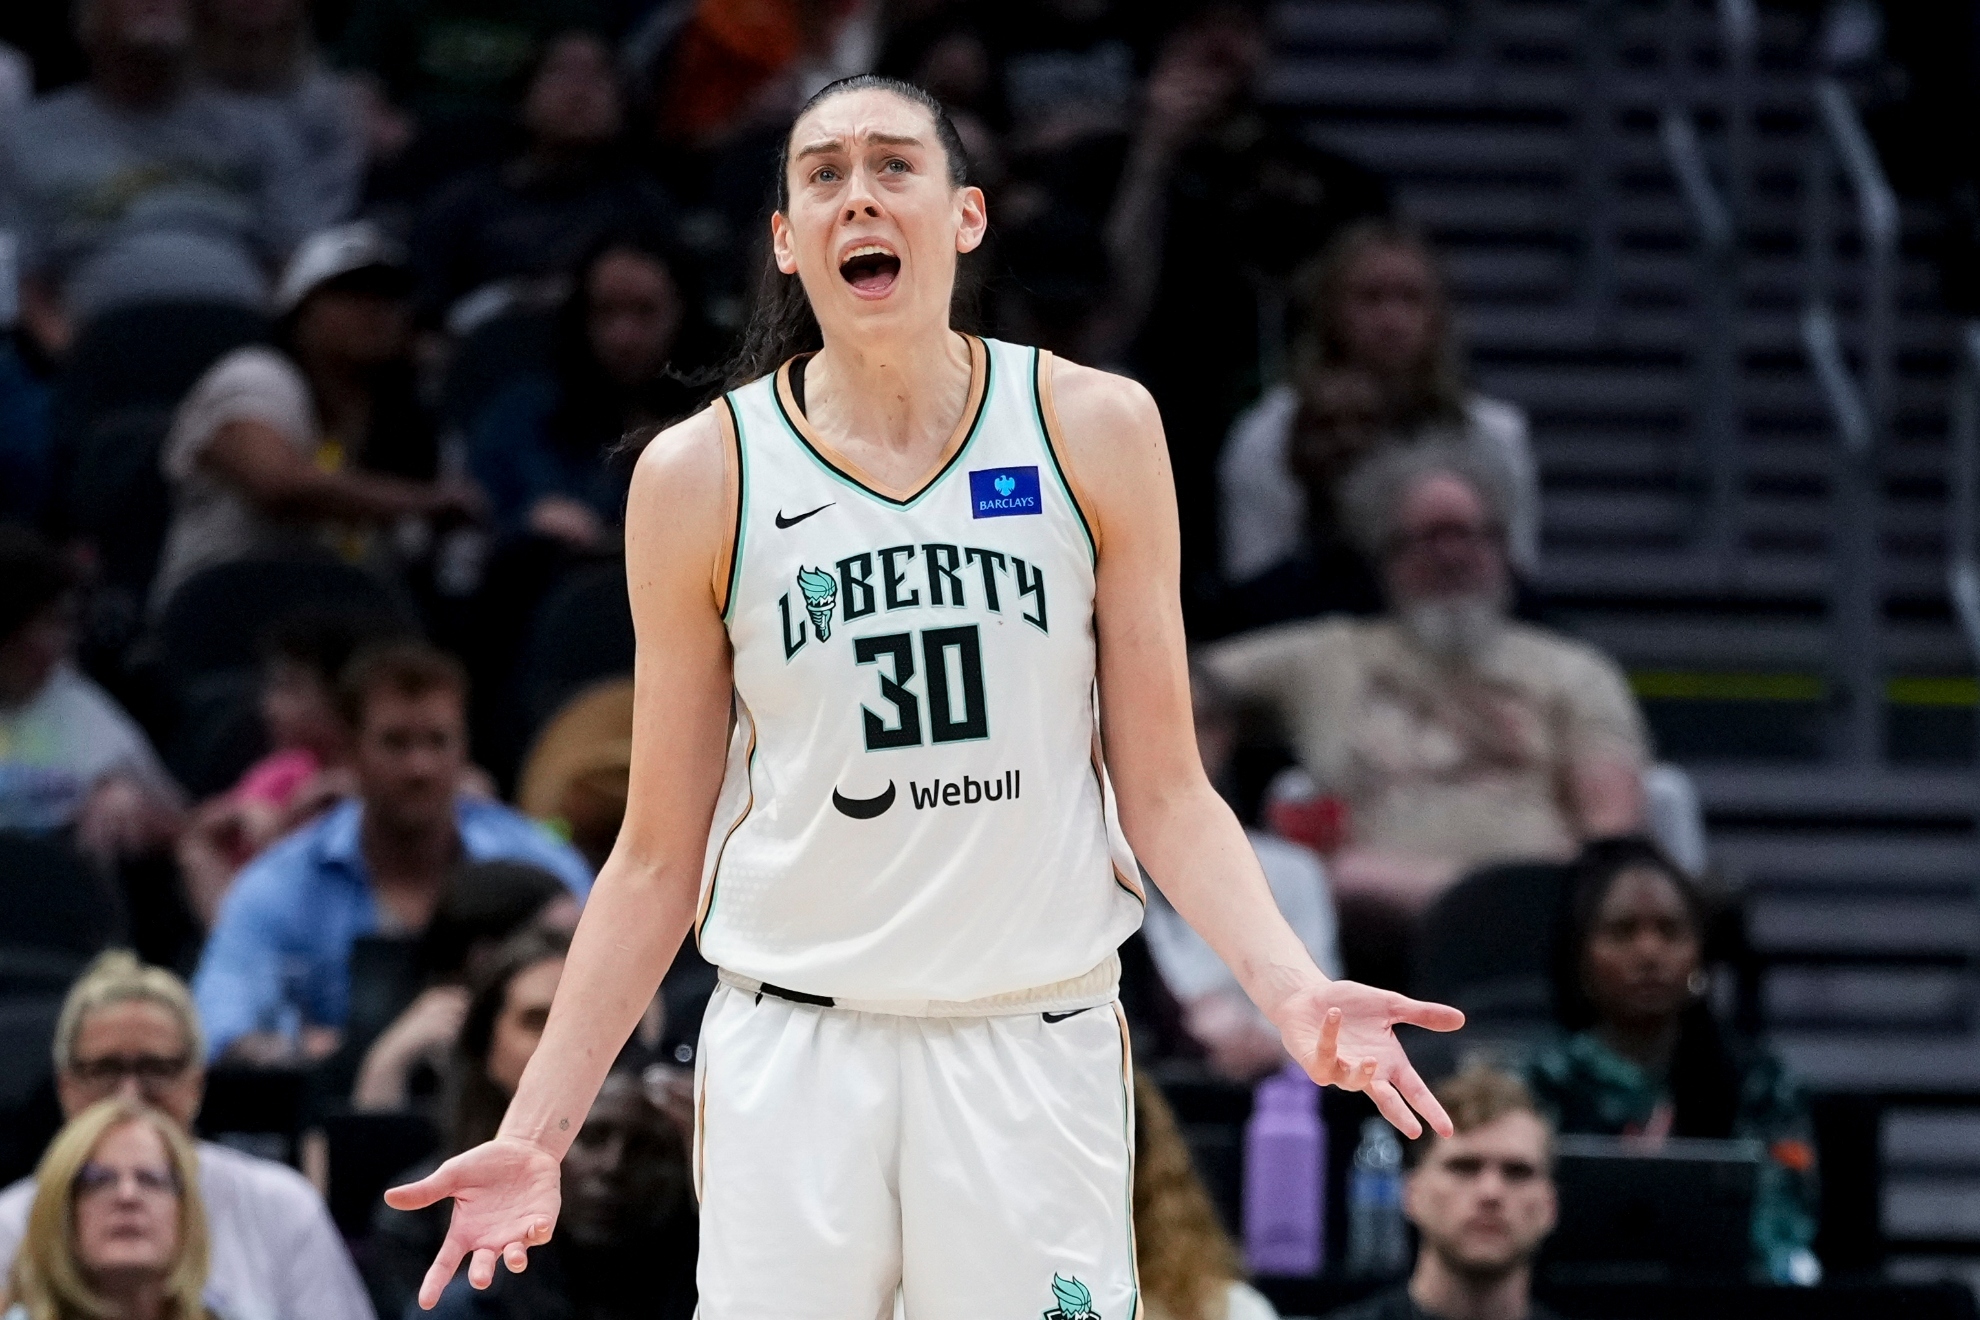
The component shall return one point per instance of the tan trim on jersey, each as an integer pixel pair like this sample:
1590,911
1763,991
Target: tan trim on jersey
1127,1101
749,805
700,1126
1048,413
1131,884
724,581
979,358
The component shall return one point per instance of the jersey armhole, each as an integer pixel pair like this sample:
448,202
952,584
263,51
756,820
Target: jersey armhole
728,573
1053,433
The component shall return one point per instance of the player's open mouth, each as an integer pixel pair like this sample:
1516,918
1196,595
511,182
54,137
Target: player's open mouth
871,269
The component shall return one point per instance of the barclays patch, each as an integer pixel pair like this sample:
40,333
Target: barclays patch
1005,492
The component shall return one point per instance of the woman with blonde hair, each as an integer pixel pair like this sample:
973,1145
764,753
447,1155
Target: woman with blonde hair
1376,363
117,1231
1188,1265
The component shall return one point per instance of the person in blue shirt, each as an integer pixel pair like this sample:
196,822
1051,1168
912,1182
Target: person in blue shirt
274,979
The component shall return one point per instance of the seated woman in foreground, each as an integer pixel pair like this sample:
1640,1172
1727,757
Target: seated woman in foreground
1648,1059
117,1231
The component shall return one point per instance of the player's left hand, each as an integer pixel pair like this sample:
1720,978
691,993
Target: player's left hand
1343,1034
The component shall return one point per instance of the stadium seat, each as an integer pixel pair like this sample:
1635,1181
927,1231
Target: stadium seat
491,355
215,620
58,907
367,1153
582,633
1488,946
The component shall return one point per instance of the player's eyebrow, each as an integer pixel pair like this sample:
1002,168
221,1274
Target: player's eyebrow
826,146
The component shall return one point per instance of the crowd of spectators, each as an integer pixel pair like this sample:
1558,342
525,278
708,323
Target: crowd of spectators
324,327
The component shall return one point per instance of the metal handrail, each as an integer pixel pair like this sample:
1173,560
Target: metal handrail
1877,218
1962,558
1862,410
1716,221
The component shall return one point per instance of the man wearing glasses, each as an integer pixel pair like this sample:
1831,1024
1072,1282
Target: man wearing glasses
130,1029
1450,735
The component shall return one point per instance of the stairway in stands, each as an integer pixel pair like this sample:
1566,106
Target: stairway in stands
1858,882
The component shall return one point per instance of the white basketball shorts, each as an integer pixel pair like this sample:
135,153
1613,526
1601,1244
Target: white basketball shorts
961,1168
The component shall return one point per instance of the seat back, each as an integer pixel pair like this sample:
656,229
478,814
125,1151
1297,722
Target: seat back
583,632
216,619
57,905
1488,945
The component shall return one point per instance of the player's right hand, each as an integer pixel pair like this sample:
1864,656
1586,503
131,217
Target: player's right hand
506,1196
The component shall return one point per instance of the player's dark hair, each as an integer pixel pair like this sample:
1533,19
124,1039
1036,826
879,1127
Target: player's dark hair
781,323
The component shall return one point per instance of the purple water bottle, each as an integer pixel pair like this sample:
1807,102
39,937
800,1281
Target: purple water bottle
1284,1176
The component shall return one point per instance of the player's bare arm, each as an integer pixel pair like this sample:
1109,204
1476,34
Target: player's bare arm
1175,820
679,524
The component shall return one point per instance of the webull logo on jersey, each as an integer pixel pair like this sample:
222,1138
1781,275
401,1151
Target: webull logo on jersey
1004,492
968,792
933,574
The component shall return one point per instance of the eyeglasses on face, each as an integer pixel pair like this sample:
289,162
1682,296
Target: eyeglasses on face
95,1178
145,1069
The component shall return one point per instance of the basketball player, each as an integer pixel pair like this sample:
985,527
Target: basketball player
908,630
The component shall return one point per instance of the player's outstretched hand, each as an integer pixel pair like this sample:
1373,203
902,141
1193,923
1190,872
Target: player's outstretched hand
1343,1034
506,1197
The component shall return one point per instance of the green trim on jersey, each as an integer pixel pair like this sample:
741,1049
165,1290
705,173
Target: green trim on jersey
1052,452
1127,1122
742,509
749,809
975,426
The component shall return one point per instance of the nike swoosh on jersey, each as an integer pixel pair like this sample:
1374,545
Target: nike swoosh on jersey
783,522
864,808
1061,1017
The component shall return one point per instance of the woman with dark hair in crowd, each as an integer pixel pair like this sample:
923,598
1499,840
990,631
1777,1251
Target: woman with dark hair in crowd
1188,1265
1374,363
545,447
507,1005
1648,1058
319,444
508,235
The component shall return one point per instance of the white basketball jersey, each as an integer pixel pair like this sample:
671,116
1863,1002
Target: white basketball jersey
915,806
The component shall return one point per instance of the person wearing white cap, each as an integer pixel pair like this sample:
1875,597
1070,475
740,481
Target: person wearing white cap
311,446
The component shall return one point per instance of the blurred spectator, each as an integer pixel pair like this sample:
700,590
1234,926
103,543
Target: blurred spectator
486,906
24,433
16,81
543,448
626,1235
378,864
737,65
1451,735
1189,1268
1220,200
128,1035
495,232
140,186
575,775
1376,362
261,50
307,767
70,758
1242,1044
1648,1058
1482,1202
309,449
458,63
507,1004
117,1231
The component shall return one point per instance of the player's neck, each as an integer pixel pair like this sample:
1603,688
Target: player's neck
901,395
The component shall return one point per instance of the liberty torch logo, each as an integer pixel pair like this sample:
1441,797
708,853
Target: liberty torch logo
821,593
1074,1301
